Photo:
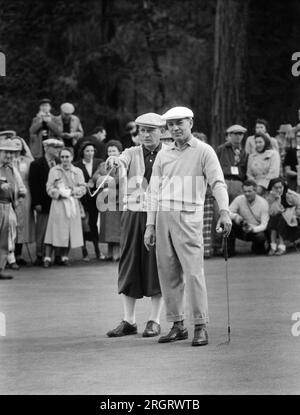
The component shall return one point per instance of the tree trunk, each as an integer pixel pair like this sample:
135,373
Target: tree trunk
229,72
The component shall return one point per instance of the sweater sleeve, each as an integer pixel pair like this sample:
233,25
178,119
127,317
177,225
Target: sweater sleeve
215,178
152,192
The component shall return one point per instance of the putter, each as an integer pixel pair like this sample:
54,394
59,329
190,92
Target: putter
227,289
101,184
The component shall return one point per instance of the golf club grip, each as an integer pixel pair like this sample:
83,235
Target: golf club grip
225,248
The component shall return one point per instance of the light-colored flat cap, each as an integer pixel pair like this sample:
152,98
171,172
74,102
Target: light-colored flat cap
236,129
67,108
53,142
177,113
150,119
285,128
7,145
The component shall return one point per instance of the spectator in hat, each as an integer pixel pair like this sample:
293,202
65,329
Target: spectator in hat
250,215
233,160
89,164
281,138
261,126
97,139
69,125
43,126
11,189
40,200
264,164
24,213
138,276
291,163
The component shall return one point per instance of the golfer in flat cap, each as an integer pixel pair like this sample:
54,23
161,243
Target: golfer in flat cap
138,275
175,202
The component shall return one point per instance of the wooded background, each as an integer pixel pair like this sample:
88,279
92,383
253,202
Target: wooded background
228,60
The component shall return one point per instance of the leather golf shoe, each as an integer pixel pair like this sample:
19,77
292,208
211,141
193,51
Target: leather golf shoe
5,277
200,336
152,329
177,332
123,329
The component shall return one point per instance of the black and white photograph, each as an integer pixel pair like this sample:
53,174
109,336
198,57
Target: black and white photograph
149,201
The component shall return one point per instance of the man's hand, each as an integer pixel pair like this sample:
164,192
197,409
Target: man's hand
111,162
38,208
224,223
149,237
5,186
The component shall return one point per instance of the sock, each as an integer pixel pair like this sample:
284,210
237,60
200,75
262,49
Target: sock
273,246
179,323
200,326
282,247
47,258
156,306
129,308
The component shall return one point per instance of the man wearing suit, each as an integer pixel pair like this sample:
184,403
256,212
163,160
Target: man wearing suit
41,202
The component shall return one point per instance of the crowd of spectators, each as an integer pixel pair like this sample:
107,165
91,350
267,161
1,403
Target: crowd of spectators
61,168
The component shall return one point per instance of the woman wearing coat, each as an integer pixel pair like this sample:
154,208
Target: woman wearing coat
88,164
65,186
24,213
264,164
110,220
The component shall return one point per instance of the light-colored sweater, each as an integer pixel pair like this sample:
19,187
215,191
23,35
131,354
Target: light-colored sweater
256,213
180,177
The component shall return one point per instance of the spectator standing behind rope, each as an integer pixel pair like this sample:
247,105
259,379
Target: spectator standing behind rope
233,160
11,188
40,200
88,164
291,163
65,186
69,125
110,220
42,128
261,126
24,213
284,208
264,164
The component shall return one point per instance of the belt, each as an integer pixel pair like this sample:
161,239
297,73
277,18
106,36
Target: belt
233,179
5,202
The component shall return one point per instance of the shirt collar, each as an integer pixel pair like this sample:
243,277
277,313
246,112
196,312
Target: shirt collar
146,152
192,142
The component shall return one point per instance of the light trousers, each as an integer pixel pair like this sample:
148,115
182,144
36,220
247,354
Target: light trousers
179,250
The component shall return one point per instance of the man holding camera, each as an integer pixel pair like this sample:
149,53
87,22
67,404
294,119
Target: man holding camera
42,128
250,215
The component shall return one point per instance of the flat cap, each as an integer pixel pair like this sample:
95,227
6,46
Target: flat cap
150,119
236,129
7,145
45,101
67,108
285,128
177,113
53,142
